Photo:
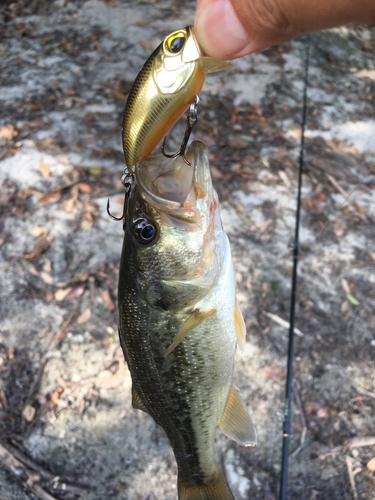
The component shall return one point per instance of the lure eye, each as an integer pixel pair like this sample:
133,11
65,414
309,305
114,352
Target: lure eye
175,42
145,232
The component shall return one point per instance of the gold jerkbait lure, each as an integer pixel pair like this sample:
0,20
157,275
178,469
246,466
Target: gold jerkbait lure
169,80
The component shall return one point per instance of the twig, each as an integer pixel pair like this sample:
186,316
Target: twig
365,391
27,477
59,482
38,377
29,463
283,323
357,442
366,472
303,419
64,330
348,461
345,195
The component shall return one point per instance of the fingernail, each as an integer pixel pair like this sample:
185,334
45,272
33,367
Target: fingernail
219,30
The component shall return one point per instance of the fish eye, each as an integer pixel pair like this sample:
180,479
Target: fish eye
175,42
145,232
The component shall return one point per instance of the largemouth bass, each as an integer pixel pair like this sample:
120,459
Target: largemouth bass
169,80
179,322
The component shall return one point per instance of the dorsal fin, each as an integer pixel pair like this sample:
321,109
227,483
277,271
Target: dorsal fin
192,322
235,421
240,327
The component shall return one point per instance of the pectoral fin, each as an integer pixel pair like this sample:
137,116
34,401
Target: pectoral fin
192,322
240,327
236,422
136,402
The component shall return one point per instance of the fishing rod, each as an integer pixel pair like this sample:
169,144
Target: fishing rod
289,378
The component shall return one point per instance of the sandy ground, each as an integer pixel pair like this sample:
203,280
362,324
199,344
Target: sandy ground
65,404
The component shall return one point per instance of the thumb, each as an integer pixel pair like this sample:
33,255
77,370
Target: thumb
227,29
219,30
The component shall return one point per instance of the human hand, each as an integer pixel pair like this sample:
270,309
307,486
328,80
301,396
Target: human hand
227,29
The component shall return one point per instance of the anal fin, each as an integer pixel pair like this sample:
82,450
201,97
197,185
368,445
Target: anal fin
192,322
240,327
235,421
136,402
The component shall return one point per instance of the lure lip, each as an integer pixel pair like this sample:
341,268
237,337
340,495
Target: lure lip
208,64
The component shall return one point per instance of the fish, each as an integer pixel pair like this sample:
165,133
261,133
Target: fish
168,82
179,321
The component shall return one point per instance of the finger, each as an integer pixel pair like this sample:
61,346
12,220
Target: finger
227,29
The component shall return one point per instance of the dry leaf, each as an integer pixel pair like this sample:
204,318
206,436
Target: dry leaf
284,178
84,317
371,465
41,245
61,294
345,286
118,94
309,408
47,266
147,44
86,225
361,209
107,299
39,231
275,373
47,278
28,413
69,205
3,398
84,188
90,207
235,167
49,198
106,380
75,293
297,132
44,169
83,277
216,173
8,132
55,396
323,412
247,173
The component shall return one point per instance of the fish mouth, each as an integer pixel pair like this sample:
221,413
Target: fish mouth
173,187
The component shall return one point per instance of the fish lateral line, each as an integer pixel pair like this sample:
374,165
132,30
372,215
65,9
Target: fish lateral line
192,322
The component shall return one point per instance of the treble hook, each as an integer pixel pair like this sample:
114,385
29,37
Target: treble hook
192,120
127,181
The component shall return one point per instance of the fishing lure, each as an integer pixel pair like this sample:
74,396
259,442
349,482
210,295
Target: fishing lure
164,88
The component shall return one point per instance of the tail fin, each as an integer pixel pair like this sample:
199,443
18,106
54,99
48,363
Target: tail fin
215,489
